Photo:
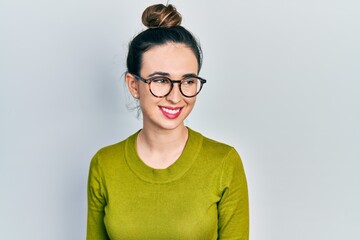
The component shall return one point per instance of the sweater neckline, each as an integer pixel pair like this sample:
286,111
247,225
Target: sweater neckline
171,173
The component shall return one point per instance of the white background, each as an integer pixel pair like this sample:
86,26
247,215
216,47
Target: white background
283,88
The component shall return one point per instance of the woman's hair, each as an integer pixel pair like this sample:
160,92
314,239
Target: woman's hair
163,24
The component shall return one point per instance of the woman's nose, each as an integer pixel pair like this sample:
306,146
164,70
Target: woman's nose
175,95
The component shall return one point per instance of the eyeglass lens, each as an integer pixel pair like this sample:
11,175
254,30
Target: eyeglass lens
162,86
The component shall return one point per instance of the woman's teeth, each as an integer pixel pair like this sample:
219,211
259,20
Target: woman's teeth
171,111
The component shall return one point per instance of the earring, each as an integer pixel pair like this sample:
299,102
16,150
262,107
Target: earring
135,95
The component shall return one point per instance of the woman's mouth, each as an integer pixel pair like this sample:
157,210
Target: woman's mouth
171,112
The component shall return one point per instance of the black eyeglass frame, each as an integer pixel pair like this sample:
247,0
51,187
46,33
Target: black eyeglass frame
149,80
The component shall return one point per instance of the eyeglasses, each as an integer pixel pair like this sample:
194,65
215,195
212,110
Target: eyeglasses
161,86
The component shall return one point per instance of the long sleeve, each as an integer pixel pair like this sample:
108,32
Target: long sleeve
96,203
203,195
234,205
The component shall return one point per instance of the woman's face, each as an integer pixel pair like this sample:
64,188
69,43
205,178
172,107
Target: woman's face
174,61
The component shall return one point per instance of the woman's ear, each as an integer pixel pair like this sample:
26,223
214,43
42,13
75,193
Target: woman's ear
132,84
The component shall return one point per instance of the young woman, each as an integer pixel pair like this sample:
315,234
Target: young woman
166,181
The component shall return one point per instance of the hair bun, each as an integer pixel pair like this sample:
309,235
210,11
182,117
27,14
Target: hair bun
159,15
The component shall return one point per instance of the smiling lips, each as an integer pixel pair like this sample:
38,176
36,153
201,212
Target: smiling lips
171,112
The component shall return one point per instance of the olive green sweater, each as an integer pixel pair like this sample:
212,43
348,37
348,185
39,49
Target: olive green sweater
203,195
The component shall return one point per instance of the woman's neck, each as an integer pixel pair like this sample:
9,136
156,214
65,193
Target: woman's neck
163,140
160,149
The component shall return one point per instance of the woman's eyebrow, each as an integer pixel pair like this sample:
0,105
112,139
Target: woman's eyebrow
159,73
189,75
164,74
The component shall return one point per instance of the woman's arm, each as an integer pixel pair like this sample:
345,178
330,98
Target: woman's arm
96,203
234,205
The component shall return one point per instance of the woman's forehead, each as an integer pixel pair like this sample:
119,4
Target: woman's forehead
173,58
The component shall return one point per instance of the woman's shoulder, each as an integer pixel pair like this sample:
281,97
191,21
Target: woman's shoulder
209,142
113,151
217,155
212,146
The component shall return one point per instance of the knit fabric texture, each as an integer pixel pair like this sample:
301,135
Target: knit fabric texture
203,195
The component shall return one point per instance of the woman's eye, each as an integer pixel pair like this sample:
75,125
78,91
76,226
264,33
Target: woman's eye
189,81
161,81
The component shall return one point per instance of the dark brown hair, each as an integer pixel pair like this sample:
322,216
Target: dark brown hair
161,16
163,24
